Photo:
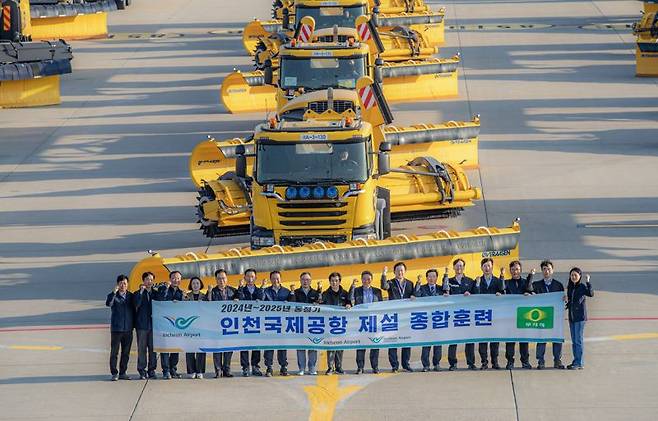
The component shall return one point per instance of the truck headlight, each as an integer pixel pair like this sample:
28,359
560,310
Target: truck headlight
291,193
318,192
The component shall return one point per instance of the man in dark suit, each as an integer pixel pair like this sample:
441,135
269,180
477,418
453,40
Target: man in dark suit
398,288
147,360
222,292
276,292
120,302
430,289
488,284
544,286
335,295
306,294
518,285
366,294
170,292
250,292
459,284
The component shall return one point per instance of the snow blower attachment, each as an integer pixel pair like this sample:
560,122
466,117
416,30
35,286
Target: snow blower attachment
29,71
55,19
646,52
419,252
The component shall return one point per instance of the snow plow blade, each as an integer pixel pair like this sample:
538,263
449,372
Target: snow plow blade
55,20
421,80
29,72
245,92
419,252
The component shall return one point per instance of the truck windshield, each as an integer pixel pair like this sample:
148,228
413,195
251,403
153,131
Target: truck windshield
328,16
311,162
314,73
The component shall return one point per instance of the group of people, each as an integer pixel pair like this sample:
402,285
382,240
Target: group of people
134,310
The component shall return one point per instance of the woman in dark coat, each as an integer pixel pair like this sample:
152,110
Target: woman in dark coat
577,292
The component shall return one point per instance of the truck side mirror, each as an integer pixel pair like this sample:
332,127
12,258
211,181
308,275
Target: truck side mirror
240,162
268,76
286,19
379,78
383,163
375,16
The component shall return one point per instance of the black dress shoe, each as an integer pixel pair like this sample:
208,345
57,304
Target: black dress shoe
152,375
245,372
452,368
495,366
425,369
540,366
558,365
375,371
218,374
283,372
472,367
437,368
359,371
339,371
175,375
269,372
227,374
257,372
394,370
484,367
408,369
527,366
509,366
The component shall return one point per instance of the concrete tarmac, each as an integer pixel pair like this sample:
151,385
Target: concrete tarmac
569,143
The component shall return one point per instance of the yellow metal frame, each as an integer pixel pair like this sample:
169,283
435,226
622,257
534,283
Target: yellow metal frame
69,27
646,64
30,92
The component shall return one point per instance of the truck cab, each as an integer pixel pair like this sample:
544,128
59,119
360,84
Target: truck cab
314,180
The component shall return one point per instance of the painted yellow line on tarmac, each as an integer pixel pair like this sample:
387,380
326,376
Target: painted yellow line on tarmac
634,336
326,393
36,347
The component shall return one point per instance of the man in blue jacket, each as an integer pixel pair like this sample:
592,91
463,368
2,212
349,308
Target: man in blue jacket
250,292
120,302
489,284
518,285
170,292
222,292
430,289
144,326
276,292
399,288
544,286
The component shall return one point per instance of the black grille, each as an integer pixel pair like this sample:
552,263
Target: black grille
313,223
311,205
330,38
303,214
339,106
300,241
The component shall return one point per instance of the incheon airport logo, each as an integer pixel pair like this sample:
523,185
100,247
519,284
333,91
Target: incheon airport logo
534,317
316,340
181,322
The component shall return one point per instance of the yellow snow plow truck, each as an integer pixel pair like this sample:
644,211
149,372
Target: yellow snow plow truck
329,177
419,252
423,30
307,66
29,70
646,52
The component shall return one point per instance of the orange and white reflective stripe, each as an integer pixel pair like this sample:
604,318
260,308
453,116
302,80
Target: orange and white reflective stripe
6,18
305,33
364,32
367,97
